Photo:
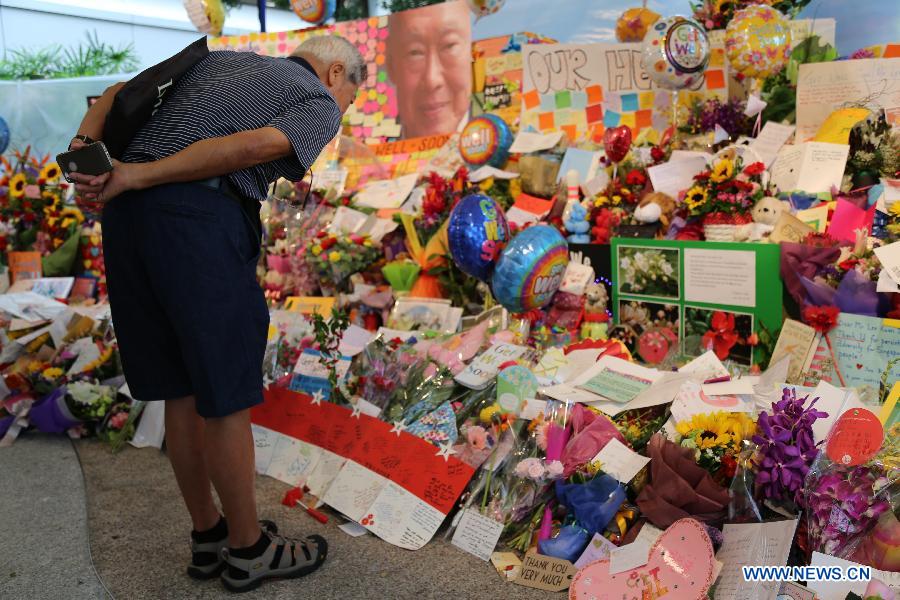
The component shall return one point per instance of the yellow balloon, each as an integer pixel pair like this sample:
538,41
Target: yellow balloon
208,16
758,41
632,25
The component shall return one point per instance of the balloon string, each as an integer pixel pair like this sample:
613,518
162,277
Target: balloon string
674,109
758,125
837,369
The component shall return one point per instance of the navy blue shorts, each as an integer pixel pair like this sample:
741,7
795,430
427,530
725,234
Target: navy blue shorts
188,313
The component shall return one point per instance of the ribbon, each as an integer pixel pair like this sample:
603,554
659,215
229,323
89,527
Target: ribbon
433,254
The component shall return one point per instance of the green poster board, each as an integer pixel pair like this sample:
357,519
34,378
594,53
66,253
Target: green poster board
713,291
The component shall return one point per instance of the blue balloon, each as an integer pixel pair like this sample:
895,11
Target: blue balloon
530,270
4,136
476,234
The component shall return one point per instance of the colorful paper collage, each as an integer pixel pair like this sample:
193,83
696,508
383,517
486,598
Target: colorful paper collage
373,117
582,89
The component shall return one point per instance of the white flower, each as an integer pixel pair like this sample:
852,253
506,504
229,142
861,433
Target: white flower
83,392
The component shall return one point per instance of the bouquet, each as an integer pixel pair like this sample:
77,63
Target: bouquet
716,440
334,258
786,448
726,192
705,115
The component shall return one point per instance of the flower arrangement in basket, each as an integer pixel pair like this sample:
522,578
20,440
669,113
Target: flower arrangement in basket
723,196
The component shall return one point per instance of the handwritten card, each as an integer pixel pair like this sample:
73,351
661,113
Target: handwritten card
770,140
620,461
890,414
481,371
835,402
674,177
616,379
477,534
598,548
797,341
637,553
847,218
824,87
863,346
752,544
487,171
527,142
810,167
706,366
890,260
390,193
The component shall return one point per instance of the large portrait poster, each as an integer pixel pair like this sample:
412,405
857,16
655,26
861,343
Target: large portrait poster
420,69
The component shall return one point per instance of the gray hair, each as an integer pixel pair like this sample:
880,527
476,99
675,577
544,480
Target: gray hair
333,48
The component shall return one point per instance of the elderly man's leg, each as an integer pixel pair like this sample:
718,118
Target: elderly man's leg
185,446
231,463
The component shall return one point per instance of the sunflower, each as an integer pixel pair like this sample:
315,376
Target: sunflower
716,430
724,6
695,197
723,171
488,413
17,185
50,172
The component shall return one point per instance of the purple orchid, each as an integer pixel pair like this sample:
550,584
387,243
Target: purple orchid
843,504
786,446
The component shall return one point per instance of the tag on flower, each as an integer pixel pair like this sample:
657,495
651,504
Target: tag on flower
855,438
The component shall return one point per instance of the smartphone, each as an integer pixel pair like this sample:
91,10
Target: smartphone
92,159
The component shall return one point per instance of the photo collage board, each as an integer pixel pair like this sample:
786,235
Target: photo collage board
693,296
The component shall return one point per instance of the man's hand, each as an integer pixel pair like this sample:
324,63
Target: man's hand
105,187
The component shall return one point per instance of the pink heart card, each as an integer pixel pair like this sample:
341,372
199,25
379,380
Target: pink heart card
681,567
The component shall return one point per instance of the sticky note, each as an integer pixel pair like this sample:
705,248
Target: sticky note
628,119
563,99
548,102
594,94
546,121
643,118
571,132
579,100
717,57
594,113
891,51
629,102
531,99
645,99
715,79
611,119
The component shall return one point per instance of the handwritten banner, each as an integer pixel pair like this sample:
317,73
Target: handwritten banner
395,484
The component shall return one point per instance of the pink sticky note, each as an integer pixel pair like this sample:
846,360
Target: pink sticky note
847,218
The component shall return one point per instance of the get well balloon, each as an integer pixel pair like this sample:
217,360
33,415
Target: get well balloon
675,53
476,233
758,41
530,269
485,140
314,11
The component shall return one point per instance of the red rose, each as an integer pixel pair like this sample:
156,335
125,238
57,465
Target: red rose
657,154
321,234
848,264
754,169
328,243
821,318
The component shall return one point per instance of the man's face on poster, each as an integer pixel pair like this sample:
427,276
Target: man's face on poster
429,61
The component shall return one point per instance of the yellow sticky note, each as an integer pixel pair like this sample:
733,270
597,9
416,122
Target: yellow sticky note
496,65
627,119
895,323
645,100
836,128
369,121
889,414
309,305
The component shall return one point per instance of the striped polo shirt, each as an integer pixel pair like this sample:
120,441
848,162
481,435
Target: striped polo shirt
229,92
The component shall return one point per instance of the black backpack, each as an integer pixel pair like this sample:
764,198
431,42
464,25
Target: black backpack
141,97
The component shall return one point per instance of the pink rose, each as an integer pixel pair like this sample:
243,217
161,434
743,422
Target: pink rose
477,437
536,470
524,468
541,436
877,588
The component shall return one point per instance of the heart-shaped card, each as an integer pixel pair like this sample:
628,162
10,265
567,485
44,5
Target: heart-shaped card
680,567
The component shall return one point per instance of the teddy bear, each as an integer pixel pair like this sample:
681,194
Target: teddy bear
655,207
577,224
596,319
766,213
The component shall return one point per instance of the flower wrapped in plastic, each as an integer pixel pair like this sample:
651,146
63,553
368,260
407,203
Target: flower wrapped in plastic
786,447
590,433
679,487
716,440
